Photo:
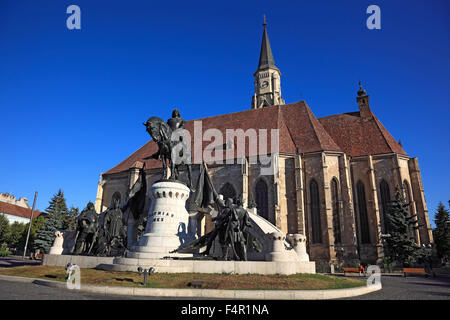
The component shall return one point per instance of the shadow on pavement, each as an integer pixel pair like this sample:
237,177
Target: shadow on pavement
10,262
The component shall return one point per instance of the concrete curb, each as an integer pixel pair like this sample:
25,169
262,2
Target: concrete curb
210,293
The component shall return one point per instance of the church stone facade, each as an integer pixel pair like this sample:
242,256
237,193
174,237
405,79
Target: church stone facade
335,174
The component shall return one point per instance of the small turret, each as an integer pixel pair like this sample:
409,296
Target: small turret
363,102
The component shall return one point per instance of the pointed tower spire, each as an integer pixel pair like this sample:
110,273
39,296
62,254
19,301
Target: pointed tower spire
266,57
267,77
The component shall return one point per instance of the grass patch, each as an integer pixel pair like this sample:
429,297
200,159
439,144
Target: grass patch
181,280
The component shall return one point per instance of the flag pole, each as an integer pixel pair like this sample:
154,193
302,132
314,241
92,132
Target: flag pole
29,227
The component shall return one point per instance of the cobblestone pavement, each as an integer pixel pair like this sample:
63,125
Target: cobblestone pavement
410,288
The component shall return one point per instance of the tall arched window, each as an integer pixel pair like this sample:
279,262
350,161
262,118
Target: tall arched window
227,191
385,199
408,200
261,199
315,212
335,204
363,216
408,196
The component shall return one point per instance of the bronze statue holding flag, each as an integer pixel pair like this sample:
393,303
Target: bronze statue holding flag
231,223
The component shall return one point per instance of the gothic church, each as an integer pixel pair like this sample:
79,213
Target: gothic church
336,174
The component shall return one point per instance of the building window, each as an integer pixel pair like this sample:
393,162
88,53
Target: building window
261,199
363,216
228,191
385,199
407,192
315,212
408,200
335,204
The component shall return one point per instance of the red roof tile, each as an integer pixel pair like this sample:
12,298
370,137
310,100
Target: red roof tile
357,136
307,132
17,210
298,129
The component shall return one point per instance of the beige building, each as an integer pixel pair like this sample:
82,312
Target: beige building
16,210
335,174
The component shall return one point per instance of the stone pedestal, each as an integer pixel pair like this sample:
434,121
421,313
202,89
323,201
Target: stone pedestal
300,246
277,252
57,247
167,225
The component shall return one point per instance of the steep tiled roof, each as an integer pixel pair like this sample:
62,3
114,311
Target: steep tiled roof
15,210
307,132
299,130
357,136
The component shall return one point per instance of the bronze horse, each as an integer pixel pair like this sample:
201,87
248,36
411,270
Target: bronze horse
172,151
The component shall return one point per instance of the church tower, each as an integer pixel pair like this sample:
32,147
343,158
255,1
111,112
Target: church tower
267,77
363,102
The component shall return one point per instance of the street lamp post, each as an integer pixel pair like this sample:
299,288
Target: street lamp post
29,227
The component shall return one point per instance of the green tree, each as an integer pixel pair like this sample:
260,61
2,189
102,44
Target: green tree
4,229
3,250
15,234
36,225
54,220
46,235
57,204
400,245
69,220
441,233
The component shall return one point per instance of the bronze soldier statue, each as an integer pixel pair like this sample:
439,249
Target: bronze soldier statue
242,222
86,230
175,123
136,205
112,235
221,226
231,223
172,149
112,222
115,230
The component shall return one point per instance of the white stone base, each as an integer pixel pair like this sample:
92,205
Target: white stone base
157,255
56,250
57,247
167,226
210,266
182,266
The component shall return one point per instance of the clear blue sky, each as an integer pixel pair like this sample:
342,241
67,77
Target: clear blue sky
72,102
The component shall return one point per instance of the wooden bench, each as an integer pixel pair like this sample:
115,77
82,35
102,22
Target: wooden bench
352,270
414,271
